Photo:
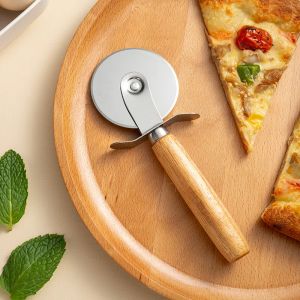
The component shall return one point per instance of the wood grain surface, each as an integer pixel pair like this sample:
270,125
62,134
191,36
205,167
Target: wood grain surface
201,198
125,198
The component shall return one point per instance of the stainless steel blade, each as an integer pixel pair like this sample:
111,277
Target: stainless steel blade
107,78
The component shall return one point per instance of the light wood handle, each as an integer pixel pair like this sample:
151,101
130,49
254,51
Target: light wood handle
201,198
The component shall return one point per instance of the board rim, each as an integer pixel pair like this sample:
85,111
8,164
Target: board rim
172,283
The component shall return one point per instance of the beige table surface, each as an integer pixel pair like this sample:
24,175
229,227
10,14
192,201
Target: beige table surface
29,69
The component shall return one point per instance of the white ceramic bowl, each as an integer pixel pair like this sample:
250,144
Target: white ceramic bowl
18,25
15,4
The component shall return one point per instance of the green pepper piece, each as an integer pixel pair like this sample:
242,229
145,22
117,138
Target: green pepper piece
248,72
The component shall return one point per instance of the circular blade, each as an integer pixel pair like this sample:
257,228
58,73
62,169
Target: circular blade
106,83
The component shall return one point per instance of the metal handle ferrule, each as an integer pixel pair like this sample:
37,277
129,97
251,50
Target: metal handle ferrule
157,134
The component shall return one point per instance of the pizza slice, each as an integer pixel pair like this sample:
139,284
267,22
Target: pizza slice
283,214
252,42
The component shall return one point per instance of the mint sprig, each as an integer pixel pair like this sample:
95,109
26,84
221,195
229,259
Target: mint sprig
31,265
13,188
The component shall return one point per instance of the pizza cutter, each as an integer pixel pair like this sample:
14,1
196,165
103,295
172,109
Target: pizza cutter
136,88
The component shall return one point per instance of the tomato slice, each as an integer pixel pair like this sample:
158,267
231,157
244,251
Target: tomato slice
253,38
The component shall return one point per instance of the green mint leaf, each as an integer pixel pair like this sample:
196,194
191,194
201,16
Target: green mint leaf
2,283
31,265
13,188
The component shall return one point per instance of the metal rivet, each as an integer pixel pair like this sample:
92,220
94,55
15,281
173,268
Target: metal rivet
135,85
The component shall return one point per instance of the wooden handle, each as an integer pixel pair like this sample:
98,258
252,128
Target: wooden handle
201,198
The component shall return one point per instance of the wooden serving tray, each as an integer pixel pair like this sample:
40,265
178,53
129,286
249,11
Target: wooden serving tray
125,199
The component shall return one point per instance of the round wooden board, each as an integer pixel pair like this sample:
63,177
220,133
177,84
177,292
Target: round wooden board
124,197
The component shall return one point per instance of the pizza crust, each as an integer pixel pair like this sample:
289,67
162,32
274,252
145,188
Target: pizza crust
283,217
284,13
283,214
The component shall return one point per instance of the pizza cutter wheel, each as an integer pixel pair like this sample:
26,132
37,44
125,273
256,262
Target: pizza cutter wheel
135,88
